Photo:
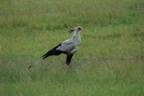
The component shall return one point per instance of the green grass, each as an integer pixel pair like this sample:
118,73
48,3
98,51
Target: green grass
110,61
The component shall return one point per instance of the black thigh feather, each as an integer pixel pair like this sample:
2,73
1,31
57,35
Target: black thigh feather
69,57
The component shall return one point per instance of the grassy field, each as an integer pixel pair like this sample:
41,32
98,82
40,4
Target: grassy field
110,61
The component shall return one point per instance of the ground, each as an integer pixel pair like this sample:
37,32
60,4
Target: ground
110,61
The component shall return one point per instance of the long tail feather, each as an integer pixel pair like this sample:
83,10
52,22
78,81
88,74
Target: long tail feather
37,62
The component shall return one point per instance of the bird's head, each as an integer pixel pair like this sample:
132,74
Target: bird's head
76,29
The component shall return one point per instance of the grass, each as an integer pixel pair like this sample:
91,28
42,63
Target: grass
110,61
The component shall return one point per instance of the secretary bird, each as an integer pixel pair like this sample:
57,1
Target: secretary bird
68,47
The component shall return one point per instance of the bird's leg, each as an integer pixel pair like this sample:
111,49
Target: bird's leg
69,57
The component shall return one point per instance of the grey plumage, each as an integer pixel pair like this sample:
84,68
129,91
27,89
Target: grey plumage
68,47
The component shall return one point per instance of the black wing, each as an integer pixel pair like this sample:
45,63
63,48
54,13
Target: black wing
53,52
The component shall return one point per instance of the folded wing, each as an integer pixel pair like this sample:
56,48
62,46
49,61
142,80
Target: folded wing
66,46
52,52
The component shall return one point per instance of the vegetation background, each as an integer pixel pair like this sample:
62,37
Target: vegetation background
110,61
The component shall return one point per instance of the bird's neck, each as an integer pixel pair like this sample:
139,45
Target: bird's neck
76,36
